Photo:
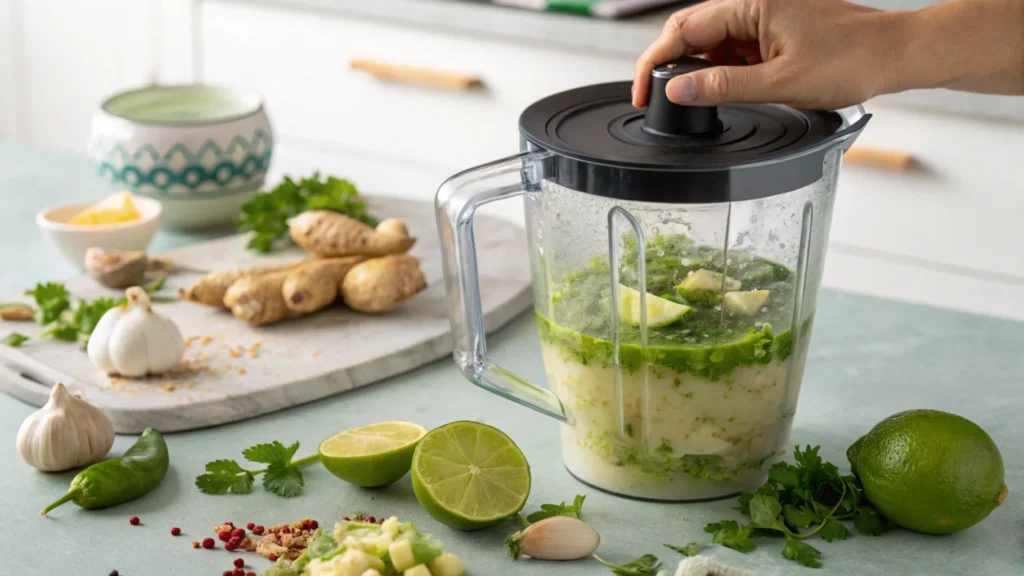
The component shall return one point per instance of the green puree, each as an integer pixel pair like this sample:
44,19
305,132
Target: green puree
705,342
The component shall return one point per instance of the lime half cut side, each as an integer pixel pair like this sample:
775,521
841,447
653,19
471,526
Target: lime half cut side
469,475
660,311
373,455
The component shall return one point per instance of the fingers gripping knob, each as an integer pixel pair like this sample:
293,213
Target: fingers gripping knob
666,118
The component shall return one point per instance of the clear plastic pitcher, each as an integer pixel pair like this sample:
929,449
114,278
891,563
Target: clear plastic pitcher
676,258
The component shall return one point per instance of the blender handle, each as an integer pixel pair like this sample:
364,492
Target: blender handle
456,204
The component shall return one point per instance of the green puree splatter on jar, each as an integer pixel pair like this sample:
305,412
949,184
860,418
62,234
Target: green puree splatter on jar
705,342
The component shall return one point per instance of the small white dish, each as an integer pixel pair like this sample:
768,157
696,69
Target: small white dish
72,240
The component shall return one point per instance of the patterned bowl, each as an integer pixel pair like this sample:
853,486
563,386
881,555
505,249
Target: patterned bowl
202,151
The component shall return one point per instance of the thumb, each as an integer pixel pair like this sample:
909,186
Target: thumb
719,84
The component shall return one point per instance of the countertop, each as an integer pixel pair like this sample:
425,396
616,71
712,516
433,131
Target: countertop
628,37
869,358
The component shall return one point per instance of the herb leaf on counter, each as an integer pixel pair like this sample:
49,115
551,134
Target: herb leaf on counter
797,502
574,510
52,299
648,564
223,476
266,215
14,339
281,476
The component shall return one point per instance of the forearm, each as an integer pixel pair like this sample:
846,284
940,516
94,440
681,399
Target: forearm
971,45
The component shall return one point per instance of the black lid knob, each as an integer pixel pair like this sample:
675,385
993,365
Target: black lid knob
667,118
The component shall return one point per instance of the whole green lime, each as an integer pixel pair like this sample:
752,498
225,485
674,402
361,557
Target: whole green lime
929,471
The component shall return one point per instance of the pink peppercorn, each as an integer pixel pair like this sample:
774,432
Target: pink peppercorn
272,557
250,574
313,524
258,530
238,533
231,546
175,531
224,535
239,562
134,520
208,543
227,573
238,572
250,525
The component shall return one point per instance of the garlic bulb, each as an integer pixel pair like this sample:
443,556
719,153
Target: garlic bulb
66,433
131,340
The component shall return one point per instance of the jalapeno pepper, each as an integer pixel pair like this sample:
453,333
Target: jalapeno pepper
119,480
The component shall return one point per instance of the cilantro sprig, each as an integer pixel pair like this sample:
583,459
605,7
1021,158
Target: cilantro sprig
266,215
797,502
574,510
72,319
281,476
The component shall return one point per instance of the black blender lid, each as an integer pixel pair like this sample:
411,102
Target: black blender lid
673,153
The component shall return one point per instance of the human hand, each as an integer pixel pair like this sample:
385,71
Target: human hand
818,54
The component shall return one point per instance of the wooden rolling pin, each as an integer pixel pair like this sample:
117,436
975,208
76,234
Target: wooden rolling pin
421,76
889,160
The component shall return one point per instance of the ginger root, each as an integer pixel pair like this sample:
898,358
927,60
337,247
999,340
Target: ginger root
381,284
212,288
326,234
258,299
315,284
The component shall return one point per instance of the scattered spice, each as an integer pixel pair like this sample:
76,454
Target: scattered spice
316,353
227,573
190,384
195,544
250,574
272,557
254,349
250,526
238,572
170,387
239,562
134,520
206,340
235,352
176,531
113,573
208,543
190,339
241,371
224,536
258,530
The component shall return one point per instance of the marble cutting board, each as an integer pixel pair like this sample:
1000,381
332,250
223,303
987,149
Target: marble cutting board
234,371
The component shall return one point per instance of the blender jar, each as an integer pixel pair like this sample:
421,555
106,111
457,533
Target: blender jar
676,255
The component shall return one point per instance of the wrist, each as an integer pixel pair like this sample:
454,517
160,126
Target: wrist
897,55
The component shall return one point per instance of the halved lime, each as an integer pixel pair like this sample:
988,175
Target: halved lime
469,475
373,455
660,312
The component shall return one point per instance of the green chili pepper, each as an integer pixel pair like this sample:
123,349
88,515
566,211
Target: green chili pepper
119,480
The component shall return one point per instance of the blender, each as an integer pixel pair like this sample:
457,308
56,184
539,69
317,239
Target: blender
676,254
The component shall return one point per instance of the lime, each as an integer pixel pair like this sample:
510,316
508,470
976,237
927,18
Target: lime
469,475
373,455
660,312
929,471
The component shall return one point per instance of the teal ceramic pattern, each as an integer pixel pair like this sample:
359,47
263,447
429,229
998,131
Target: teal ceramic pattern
179,173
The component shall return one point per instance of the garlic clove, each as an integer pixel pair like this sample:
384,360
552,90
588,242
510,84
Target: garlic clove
66,433
558,538
134,341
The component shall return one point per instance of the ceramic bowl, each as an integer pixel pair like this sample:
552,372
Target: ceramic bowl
71,241
202,151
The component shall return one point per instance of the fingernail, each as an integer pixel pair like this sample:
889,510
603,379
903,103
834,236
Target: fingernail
682,89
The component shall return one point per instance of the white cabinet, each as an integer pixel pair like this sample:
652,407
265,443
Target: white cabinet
60,59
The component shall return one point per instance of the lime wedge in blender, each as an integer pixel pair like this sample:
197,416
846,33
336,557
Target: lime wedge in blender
660,312
469,475
373,455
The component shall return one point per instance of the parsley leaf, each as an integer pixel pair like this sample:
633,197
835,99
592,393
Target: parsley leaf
60,331
14,339
801,552
832,530
799,518
223,476
283,480
648,564
88,314
281,476
266,215
52,299
764,510
272,453
868,521
574,510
